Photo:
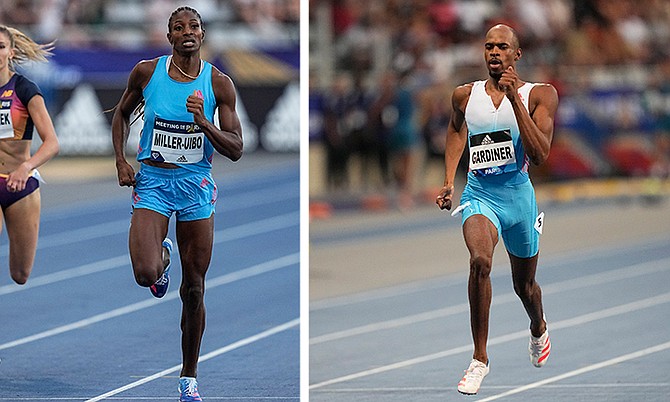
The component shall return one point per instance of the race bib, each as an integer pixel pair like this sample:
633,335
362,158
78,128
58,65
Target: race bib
177,142
6,125
492,153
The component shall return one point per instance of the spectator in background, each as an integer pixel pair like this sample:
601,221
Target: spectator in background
336,133
18,12
361,137
403,140
381,120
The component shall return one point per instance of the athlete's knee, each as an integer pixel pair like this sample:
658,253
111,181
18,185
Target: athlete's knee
192,294
146,277
480,265
20,276
526,289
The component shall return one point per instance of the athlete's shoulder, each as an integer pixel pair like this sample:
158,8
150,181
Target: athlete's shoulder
220,77
142,72
222,84
464,89
461,95
544,93
544,89
146,66
25,88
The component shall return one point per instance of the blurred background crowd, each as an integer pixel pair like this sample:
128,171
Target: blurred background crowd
97,43
136,24
382,73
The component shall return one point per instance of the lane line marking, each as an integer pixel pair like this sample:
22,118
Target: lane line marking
236,345
121,200
557,287
616,360
115,227
499,270
506,387
156,398
571,322
220,236
268,266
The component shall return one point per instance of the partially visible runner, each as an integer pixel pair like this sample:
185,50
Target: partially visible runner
507,124
180,94
22,110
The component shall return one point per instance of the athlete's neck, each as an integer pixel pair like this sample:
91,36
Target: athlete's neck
5,76
493,84
188,67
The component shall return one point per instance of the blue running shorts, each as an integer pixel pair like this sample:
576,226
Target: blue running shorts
512,209
190,195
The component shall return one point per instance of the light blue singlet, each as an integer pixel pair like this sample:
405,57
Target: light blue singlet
169,134
498,185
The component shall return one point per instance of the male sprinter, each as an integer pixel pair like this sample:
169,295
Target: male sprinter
507,123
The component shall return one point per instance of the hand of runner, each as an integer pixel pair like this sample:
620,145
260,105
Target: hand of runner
16,180
126,174
194,104
509,81
443,199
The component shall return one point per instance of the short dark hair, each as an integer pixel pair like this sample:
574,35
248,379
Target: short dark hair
184,8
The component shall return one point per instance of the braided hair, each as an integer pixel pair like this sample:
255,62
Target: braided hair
184,8
25,49
139,110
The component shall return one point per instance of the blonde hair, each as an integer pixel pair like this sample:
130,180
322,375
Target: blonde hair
25,49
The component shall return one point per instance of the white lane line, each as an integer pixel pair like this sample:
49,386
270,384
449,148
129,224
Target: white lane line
268,266
155,398
571,322
121,225
620,359
587,281
76,272
220,236
564,259
228,196
220,351
626,385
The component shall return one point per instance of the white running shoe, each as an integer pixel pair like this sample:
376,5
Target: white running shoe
539,349
473,377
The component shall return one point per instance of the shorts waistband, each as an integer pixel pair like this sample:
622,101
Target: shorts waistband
170,173
33,173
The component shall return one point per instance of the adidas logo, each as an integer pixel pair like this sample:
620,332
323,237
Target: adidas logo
487,141
182,159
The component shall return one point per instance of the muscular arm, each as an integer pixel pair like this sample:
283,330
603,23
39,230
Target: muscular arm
228,139
457,134
537,126
131,97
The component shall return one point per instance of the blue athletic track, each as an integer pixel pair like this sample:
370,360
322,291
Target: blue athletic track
607,305
82,330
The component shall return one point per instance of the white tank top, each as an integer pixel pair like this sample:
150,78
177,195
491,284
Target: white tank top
495,147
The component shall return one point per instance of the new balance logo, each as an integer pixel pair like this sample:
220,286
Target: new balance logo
487,141
182,159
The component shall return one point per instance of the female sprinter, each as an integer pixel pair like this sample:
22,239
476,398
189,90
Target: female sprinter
180,93
22,110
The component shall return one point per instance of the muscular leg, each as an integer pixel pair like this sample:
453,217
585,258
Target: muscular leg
523,277
22,220
147,231
195,248
481,237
